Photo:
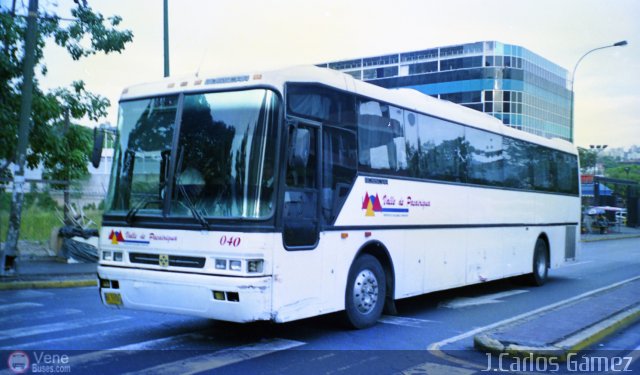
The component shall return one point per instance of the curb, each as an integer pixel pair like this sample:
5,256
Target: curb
566,346
620,237
46,284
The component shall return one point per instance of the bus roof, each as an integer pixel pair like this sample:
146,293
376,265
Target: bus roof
403,97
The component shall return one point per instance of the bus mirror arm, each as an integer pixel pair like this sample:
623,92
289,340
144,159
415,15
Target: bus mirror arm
98,141
99,134
164,171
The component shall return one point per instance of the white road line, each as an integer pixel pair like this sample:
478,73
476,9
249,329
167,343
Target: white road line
18,306
44,314
57,342
164,343
457,303
406,322
435,347
634,354
56,327
106,355
576,264
437,369
28,293
208,362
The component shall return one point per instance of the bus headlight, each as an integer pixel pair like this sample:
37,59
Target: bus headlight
106,255
117,256
221,264
254,265
235,265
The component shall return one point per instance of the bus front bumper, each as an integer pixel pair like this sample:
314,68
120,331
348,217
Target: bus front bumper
234,299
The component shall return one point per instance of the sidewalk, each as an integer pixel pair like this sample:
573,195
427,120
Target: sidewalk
615,233
585,321
38,267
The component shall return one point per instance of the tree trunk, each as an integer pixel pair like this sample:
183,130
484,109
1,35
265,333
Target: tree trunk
8,254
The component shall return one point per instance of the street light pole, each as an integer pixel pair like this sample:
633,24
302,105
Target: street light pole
166,37
621,43
597,149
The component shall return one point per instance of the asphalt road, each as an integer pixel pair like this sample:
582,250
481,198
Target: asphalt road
72,324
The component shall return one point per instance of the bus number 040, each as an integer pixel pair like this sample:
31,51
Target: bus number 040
230,241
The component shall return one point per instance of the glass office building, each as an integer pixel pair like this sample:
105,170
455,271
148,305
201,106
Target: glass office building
521,88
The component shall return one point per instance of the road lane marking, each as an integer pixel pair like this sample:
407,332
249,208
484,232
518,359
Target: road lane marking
164,343
104,356
435,347
29,293
367,363
406,322
56,327
437,369
461,302
208,362
46,314
19,306
56,343
576,264
634,354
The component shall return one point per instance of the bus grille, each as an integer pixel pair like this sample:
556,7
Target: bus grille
174,260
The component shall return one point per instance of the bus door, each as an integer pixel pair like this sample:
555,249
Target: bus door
301,196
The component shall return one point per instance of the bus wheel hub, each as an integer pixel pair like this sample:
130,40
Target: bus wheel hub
365,291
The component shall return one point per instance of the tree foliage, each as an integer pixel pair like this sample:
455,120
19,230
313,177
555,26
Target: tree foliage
625,172
587,159
64,150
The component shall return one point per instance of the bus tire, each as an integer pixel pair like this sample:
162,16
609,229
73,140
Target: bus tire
365,292
540,264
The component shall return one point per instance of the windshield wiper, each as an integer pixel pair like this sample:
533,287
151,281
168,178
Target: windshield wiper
131,214
187,198
192,207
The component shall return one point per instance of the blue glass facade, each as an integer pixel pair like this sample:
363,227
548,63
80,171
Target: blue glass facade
519,87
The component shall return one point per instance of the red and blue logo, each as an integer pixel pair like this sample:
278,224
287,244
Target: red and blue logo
373,204
116,237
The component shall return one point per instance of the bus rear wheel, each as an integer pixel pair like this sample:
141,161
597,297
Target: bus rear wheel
365,293
540,264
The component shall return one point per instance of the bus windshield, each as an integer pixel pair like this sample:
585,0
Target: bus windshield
223,162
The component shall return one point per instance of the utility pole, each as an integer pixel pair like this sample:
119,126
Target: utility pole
67,198
8,254
166,38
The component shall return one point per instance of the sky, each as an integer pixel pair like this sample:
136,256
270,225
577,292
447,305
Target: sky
220,37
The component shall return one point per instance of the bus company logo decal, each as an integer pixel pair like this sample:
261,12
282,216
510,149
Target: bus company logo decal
127,237
390,205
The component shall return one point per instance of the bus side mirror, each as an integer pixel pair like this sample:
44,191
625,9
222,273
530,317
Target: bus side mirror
299,147
98,141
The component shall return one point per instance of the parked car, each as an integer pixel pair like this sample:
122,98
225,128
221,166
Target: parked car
621,217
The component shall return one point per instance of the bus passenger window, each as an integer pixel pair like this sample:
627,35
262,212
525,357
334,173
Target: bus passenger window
381,143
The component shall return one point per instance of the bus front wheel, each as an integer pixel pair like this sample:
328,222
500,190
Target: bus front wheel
540,264
365,293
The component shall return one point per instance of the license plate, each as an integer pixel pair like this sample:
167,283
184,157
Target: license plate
113,299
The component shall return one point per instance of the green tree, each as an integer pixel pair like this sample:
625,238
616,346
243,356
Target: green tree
587,159
87,34
624,172
60,146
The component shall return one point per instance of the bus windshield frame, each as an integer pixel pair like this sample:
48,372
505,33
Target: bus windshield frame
205,156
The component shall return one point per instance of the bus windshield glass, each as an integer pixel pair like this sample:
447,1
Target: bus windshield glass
223,163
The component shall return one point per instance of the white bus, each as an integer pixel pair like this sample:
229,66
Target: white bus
289,194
